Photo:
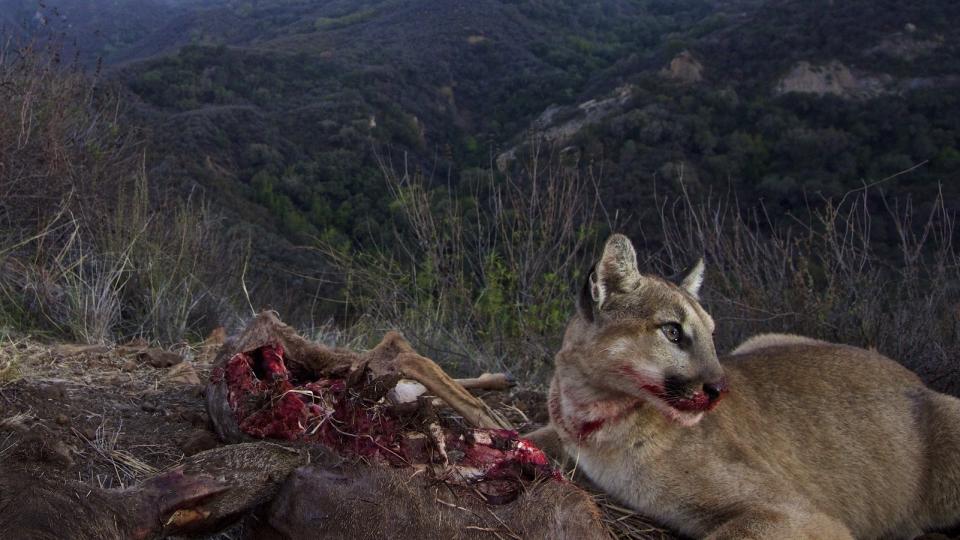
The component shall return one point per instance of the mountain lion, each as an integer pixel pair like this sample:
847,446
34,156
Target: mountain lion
787,437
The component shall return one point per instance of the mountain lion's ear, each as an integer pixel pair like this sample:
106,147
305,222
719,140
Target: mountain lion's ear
616,271
694,279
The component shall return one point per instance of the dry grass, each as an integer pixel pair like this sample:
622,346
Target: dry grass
16,422
9,364
9,371
10,428
127,467
89,249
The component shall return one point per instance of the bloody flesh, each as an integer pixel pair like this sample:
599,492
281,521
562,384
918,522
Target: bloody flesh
270,402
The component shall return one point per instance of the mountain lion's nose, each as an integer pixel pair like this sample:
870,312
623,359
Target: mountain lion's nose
714,390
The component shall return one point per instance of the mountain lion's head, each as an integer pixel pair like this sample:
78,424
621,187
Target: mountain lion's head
644,337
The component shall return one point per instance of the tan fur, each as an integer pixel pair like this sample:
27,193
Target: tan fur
763,341
813,440
360,501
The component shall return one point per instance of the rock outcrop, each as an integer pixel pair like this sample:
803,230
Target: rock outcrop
833,78
684,68
558,124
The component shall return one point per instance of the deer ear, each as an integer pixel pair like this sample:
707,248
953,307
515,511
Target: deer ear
616,271
694,279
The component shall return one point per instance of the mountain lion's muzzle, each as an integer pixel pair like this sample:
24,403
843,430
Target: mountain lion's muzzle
692,395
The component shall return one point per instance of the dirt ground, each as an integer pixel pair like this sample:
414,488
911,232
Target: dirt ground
97,414
113,416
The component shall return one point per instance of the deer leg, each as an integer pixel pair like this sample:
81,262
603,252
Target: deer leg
488,381
429,374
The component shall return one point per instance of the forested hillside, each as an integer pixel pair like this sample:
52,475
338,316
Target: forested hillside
286,104
295,97
792,102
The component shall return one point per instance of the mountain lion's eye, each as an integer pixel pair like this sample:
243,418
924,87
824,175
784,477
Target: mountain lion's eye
673,332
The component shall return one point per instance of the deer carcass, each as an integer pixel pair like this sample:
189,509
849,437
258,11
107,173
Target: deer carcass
407,469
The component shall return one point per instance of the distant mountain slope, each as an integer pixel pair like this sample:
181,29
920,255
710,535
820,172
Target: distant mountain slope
446,81
785,103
